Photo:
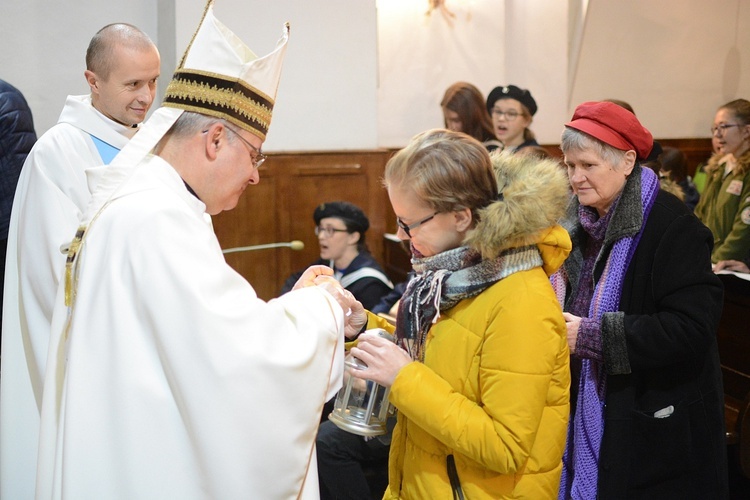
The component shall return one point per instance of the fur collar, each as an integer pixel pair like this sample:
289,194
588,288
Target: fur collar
532,197
743,164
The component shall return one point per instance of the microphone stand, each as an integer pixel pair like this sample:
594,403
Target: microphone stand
294,245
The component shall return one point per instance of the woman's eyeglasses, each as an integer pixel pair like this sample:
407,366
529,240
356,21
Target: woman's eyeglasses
328,231
509,115
723,127
407,228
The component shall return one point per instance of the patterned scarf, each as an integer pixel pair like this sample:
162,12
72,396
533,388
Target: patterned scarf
441,281
587,426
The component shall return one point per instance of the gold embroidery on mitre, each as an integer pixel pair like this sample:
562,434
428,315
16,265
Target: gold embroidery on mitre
225,101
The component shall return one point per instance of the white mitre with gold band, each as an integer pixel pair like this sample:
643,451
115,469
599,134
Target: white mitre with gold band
220,76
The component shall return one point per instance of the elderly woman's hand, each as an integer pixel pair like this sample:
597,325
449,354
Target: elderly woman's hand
383,358
573,323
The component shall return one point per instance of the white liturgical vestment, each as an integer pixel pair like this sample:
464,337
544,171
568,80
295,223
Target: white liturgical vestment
51,195
173,379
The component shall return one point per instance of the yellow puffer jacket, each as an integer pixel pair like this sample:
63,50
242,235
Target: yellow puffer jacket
493,391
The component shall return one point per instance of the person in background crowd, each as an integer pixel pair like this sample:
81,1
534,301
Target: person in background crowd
699,179
388,305
512,110
674,166
646,396
480,373
464,111
665,182
724,205
622,104
122,66
340,227
17,136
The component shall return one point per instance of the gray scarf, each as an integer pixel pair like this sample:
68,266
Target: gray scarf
443,280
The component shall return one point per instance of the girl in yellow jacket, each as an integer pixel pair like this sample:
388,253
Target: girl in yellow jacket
480,373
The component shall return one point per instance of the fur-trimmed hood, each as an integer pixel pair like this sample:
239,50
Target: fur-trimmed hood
714,163
533,195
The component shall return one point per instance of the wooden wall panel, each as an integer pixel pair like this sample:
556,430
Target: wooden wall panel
280,209
315,186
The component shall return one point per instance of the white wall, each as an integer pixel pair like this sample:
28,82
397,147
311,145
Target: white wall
357,77
486,42
420,55
537,44
674,61
327,96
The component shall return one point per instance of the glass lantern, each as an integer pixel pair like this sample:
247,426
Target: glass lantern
361,405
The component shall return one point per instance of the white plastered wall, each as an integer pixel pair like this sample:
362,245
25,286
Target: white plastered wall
362,74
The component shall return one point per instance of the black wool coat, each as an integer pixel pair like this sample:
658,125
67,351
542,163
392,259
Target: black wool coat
660,353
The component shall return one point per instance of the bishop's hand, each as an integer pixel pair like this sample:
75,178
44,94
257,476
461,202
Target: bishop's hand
312,274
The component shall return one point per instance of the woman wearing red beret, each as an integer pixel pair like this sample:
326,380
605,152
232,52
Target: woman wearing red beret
642,308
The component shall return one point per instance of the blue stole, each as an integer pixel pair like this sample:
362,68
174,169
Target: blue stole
106,151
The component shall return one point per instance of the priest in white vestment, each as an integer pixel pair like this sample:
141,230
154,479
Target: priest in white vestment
52,193
167,376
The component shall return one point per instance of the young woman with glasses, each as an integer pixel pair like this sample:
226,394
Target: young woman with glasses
512,109
480,372
724,205
340,227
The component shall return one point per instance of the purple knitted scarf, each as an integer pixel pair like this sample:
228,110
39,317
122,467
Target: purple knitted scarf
581,460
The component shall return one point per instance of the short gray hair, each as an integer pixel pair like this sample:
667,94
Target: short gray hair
575,140
190,123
